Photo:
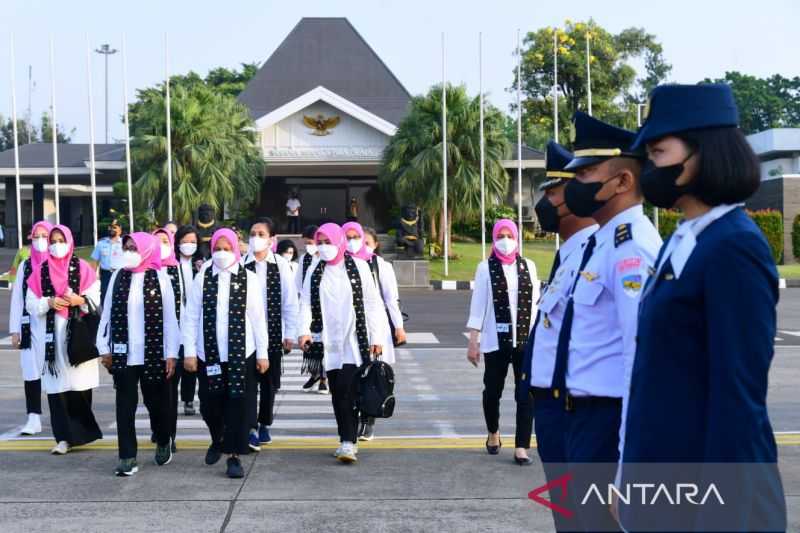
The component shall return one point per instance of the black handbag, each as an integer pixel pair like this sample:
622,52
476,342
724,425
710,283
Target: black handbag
375,389
82,334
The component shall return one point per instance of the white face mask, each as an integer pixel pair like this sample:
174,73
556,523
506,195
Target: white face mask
288,257
328,252
223,259
188,248
59,250
40,244
258,244
311,249
370,249
506,245
354,245
166,249
131,259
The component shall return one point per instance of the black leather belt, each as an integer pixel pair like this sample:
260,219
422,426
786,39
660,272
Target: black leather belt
583,402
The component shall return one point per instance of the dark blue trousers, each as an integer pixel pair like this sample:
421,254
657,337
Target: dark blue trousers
549,419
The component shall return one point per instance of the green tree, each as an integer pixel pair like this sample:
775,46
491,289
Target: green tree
215,158
412,161
615,86
764,103
47,131
32,133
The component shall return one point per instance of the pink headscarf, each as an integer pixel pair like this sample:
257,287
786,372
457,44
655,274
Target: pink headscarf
363,253
169,261
149,248
59,271
37,257
335,234
502,224
233,239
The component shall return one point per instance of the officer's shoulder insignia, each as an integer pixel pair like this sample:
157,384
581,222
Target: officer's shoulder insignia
622,234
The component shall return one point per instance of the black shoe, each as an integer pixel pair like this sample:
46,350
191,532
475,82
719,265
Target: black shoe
308,385
188,409
235,469
523,461
493,450
153,438
126,468
213,455
163,455
173,447
367,433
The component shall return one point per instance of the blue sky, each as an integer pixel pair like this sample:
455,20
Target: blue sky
700,38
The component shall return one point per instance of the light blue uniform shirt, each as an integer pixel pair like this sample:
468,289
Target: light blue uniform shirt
108,253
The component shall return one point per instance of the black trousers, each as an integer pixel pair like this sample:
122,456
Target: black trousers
72,419
228,419
269,383
294,224
494,379
156,399
33,396
188,383
344,402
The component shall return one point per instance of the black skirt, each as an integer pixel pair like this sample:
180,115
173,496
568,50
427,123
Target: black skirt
72,419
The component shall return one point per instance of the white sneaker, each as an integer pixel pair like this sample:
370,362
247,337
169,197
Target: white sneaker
348,454
62,448
33,425
338,451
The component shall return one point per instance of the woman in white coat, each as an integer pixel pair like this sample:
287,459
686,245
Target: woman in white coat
340,327
60,283
363,243
19,325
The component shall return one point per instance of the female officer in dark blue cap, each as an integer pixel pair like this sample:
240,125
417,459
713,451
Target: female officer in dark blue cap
707,323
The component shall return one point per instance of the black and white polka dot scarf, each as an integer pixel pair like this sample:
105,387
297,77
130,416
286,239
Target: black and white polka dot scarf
502,308
273,297
175,278
74,281
154,366
312,358
25,327
307,263
237,337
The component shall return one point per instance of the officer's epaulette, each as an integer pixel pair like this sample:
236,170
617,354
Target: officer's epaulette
622,234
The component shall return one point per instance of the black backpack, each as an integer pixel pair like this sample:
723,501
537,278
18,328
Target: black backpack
375,382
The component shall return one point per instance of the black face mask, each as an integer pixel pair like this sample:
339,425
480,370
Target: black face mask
547,214
658,183
112,233
580,197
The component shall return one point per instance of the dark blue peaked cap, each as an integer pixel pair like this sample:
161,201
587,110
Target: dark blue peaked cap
556,158
679,108
596,141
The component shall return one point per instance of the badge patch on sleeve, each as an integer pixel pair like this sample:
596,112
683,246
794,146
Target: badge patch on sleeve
632,284
629,271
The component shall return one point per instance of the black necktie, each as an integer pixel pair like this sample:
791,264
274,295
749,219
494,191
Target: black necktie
556,264
528,361
562,351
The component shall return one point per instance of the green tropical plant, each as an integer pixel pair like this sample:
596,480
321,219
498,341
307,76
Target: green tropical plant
215,157
412,161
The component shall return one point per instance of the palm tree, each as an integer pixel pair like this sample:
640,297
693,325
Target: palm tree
215,157
412,161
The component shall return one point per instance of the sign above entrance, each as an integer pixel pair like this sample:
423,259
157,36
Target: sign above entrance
320,125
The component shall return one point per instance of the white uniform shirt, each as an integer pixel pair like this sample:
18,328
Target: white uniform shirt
78,378
338,316
28,360
290,305
291,205
552,305
255,320
603,340
481,309
136,319
299,276
186,279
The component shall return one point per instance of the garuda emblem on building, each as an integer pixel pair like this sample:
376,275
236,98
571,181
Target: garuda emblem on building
320,125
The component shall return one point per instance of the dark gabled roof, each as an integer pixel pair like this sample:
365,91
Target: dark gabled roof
40,155
328,52
528,153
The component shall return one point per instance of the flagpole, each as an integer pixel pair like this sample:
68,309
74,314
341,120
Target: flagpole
588,72
519,144
483,188
169,132
54,129
92,169
16,142
555,102
444,162
127,130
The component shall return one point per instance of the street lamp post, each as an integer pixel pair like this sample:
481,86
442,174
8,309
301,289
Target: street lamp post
106,51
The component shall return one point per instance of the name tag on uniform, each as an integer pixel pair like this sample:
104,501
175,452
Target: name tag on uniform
316,337
48,337
213,370
120,348
25,320
503,328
